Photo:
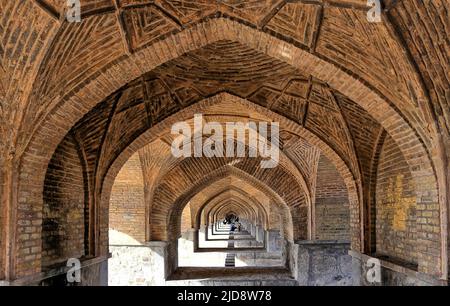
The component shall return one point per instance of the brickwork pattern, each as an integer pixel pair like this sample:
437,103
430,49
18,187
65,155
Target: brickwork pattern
127,207
331,202
396,206
63,216
52,74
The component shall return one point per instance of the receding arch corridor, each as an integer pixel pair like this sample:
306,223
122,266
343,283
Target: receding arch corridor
319,142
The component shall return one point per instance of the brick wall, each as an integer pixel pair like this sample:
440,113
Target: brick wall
332,204
127,209
300,221
63,226
87,84
395,205
186,219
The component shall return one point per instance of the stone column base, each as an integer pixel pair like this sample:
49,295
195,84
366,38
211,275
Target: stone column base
274,241
141,265
94,272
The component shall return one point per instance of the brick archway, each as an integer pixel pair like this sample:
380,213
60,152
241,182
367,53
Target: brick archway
171,201
226,172
188,113
212,202
241,210
37,155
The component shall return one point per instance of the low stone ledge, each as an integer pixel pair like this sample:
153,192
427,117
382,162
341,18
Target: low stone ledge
409,276
54,272
321,263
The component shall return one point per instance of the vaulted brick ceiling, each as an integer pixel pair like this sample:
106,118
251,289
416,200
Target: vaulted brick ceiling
104,134
229,67
63,56
130,64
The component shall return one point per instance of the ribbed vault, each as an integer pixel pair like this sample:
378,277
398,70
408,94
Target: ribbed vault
99,91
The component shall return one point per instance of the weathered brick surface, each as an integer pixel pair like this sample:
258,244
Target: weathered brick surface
127,207
319,64
331,204
186,219
63,216
396,206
